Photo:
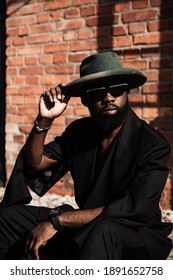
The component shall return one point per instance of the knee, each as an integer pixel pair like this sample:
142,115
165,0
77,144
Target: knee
103,226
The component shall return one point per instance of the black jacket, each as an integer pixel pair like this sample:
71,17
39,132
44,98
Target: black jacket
129,185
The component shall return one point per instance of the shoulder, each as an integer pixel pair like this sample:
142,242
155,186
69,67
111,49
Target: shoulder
144,133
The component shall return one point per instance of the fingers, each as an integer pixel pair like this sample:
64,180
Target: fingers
32,247
55,94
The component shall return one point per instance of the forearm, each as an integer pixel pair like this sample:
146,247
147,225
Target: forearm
79,218
34,146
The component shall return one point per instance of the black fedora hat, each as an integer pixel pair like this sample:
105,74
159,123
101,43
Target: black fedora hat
104,66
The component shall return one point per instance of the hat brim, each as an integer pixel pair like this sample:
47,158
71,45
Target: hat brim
133,77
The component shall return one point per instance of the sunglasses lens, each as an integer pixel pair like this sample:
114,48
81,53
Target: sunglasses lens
118,91
114,90
97,92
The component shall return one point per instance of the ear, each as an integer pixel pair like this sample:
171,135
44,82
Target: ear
84,100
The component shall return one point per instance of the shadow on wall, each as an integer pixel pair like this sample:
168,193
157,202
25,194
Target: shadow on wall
9,2
158,94
164,86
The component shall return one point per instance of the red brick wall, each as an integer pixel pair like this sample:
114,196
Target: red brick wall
46,40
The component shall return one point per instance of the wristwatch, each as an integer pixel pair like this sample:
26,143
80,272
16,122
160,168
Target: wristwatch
56,212
39,129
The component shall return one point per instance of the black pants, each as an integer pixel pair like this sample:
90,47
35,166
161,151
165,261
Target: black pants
104,240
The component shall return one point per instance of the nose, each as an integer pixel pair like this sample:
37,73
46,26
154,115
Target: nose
108,98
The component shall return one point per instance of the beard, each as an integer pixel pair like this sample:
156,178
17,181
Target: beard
107,123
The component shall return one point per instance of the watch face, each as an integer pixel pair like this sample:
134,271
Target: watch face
54,212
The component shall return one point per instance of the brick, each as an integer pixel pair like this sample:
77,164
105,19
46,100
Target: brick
72,13
11,90
32,80
121,41
142,65
131,54
30,100
30,90
43,28
59,58
30,9
36,39
57,37
56,69
18,100
83,111
121,6
57,16
54,5
11,71
102,20
157,88
19,80
140,4
53,48
139,16
30,20
119,30
11,51
150,113
31,71
15,61
84,34
153,38
152,75
45,59
104,9
28,50
26,110
19,139
19,41
136,99
77,57
83,45
59,121
43,17
163,63
150,52
23,31
152,99
70,35
30,60
137,28
88,11
71,24
158,25
100,32
83,2
11,22
62,79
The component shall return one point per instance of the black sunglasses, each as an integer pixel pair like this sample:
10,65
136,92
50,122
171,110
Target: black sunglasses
114,90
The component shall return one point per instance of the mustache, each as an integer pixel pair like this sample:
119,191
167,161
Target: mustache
112,106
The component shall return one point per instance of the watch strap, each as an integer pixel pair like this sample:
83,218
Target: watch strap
56,223
54,215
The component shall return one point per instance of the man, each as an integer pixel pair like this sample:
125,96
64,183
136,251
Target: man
119,167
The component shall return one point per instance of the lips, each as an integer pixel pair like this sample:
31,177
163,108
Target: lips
110,108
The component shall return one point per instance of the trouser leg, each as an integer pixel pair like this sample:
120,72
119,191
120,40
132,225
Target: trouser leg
113,241
16,221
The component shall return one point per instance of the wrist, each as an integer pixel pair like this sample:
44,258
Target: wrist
44,121
54,215
42,124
